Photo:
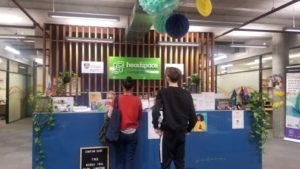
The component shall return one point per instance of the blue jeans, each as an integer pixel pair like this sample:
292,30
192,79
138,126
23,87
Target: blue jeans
125,150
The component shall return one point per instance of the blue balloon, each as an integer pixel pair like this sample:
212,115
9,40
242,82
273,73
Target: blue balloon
177,25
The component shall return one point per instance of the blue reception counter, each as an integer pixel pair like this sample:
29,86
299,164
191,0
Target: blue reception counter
221,147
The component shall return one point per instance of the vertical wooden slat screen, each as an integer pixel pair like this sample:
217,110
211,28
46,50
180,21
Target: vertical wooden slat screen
70,59
77,62
95,57
196,60
50,54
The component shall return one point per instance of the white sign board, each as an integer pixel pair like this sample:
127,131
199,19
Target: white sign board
238,119
92,67
151,131
179,66
204,101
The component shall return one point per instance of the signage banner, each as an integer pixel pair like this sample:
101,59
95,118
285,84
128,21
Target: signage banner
137,68
292,126
92,67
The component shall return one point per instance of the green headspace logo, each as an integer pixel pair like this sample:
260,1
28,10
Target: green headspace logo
137,68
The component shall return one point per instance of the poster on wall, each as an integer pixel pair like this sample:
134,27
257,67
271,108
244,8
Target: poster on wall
201,124
204,101
238,119
179,66
63,104
137,68
92,67
292,126
151,131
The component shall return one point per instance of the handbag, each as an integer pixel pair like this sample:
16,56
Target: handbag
113,129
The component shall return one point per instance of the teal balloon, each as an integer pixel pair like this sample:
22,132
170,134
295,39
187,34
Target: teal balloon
157,7
160,23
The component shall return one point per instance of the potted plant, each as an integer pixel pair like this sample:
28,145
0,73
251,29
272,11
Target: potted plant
260,117
195,81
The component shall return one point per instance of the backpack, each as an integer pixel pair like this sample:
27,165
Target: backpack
113,129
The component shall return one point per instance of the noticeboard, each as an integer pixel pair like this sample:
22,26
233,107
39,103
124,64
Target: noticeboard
94,158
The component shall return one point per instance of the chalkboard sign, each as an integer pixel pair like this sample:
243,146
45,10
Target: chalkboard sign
94,158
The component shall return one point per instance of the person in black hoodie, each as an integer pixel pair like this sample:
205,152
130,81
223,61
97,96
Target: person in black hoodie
173,118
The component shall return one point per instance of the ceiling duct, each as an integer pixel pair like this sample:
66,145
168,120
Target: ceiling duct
139,24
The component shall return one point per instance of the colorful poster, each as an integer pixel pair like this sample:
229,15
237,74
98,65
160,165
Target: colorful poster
238,119
92,67
292,130
201,124
137,68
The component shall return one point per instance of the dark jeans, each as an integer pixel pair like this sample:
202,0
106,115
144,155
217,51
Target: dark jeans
172,149
125,150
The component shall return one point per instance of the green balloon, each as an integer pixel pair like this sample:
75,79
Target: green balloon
160,23
158,7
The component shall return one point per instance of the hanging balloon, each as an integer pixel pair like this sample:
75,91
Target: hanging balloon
157,7
160,23
204,7
177,25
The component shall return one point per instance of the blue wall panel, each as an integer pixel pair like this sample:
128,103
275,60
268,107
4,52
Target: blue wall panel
220,147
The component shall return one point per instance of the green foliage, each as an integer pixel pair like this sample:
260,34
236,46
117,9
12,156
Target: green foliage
65,78
195,79
40,123
256,104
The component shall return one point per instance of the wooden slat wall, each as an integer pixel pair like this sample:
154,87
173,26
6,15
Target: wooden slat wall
196,60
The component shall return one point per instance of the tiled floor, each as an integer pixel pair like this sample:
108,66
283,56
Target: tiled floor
15,145
15,149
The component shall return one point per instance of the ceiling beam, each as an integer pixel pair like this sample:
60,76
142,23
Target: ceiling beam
262,30
18,26
35,23
259,17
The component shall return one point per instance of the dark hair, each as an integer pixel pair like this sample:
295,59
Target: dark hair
128,83
201,116
174,74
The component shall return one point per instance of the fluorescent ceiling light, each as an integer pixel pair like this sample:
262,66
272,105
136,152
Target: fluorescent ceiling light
39,60
226,66
179,44
220,57
22,67
248,34
29,41
248,46
256,61
254,67
92,40
224,71
68,15
12,36
292,29
295,56
1,60
12,50
267,58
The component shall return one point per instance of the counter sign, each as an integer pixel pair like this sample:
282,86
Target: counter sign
94,158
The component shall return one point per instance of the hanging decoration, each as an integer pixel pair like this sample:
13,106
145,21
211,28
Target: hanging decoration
204,7
177,25
160,23
157,7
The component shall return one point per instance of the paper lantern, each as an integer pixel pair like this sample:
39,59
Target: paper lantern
279,93
276,105
157,7
177,25
204,7
160,23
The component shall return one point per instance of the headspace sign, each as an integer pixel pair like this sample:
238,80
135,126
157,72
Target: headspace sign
137,68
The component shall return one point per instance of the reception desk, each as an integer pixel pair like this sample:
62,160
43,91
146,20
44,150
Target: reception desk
221,147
